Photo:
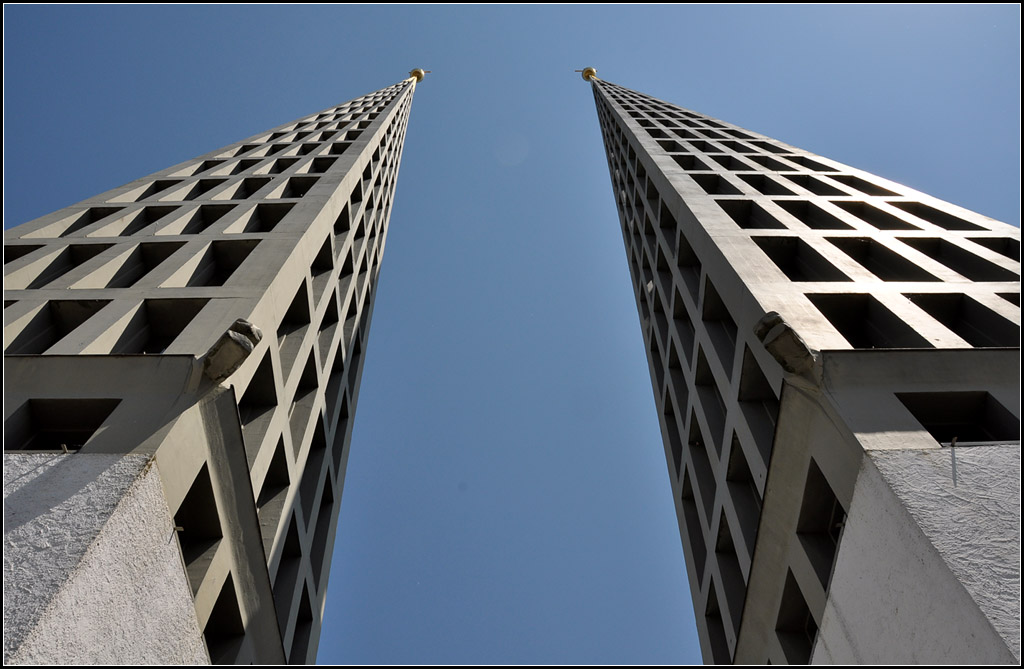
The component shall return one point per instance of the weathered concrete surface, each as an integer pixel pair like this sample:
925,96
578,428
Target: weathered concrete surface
928,571
92,572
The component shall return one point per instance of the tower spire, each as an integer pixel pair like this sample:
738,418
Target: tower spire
817,334
196,334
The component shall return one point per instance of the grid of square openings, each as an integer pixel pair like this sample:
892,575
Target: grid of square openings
310,377
818,225
718,407
150,247
295,400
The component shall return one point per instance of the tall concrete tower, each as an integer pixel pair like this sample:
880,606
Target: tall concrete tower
835,362
181,366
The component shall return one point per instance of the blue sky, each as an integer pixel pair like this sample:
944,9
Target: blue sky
507,498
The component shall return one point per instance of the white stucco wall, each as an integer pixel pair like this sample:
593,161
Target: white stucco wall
928,571
92,571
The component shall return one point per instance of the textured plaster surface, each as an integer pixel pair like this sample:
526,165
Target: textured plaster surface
974,524
92,573
928,571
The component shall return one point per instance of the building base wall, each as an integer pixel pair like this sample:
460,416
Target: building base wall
928,569
92,570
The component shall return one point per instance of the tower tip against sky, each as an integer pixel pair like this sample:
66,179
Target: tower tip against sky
834,359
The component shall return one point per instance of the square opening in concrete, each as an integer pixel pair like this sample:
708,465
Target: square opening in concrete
158,186
798,260
338,442
262,218
675,442
874,216
303,403
701,467
720,326
767,146
967,416
812,215
814,184
690,162
60,264
318,550
199,220
689,266
820,524
716,628
48,325
133,222
322,267
303,630
734,584
287,577
866,323
196,190
74,222
710,400
880,260
693,528
214,265
127,269
861,185
683,326
715,184
200,532
327,328
749,215
224,632
746,498
313,471
968,318
320,165
1006,246
295,187
732,163
292,331
256,406
272,496
807,163
245,165
769,163
282,164
765,185
759,404
248,188
960,260
56,425
795,626
738,147
156,324
14,251
338,148
936,216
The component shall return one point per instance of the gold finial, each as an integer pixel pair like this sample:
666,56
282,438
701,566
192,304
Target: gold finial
589,73
418,74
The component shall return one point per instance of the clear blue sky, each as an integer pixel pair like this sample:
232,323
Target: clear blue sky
507,497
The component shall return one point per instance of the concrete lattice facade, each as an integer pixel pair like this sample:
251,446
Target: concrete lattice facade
135,398
818,337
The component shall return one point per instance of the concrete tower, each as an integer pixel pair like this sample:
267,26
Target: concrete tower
835,362
182,359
